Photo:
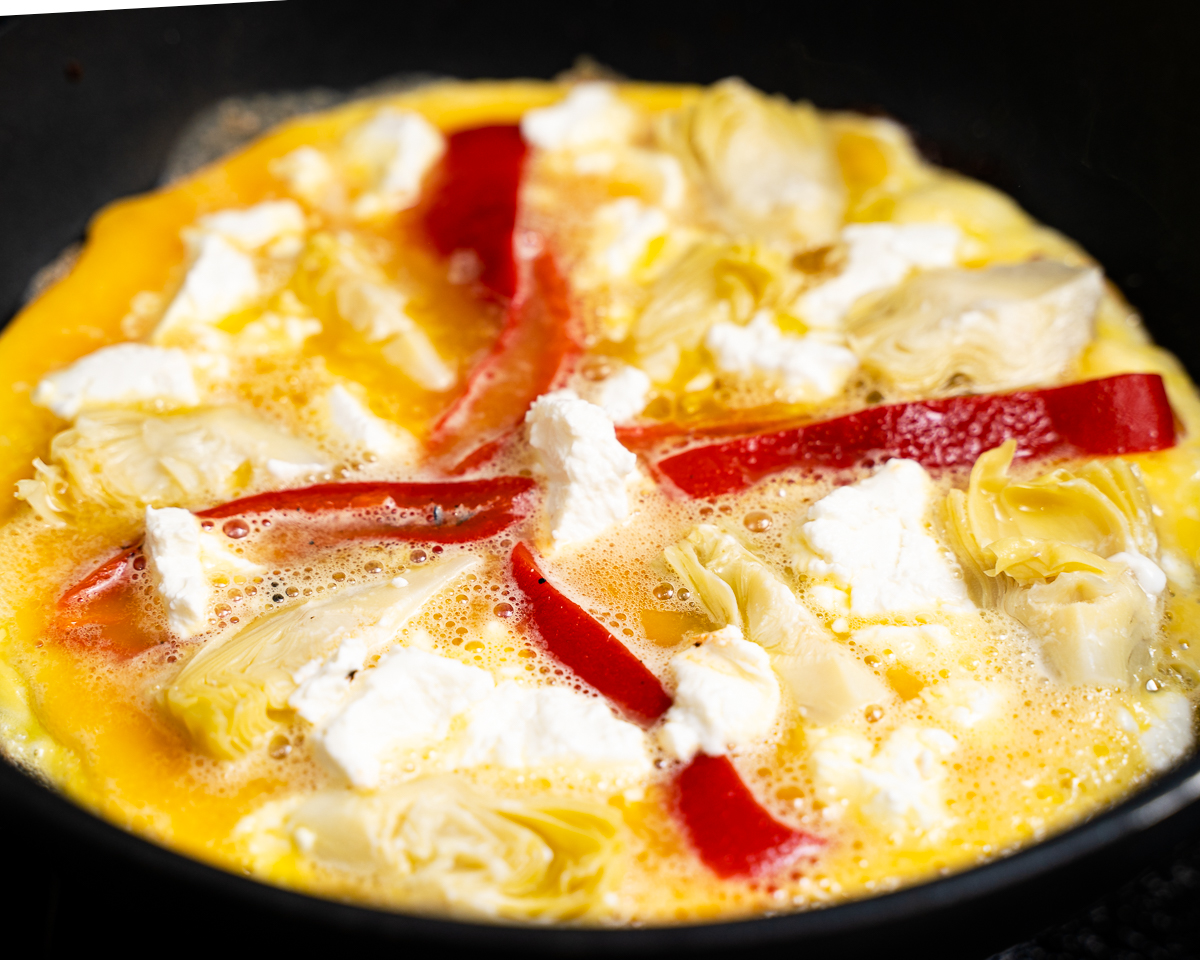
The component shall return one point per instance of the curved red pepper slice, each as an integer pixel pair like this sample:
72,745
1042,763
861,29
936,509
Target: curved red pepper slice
535,348
473,201
1129,413
444,512
577,641
732,833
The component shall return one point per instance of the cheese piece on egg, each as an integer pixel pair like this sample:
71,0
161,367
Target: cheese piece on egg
586,468
590,114
407,701
124,374
873,538
878,256
808,368
520,726
897,785
394,150
360,428
308,174
967,703
258,226
622,394
1170,732
182,559
221,280
726,694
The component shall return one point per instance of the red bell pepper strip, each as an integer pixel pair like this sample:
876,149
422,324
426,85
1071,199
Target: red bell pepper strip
473,202
535,348
732,833
577,641
445,512
1129,413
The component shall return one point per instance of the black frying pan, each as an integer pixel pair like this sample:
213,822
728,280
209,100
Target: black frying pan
1086,114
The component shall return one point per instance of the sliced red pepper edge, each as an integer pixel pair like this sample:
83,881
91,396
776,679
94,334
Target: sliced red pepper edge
575,639
538,344
730,830
1128,413
494,499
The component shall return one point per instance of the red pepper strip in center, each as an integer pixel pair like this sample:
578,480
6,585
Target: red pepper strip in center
1117,415
577,641
473,203
734,836
534,349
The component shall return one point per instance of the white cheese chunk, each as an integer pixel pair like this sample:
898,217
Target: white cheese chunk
359,427
121,375
586,468
809,368
897,786
288,471
407,701
182,558
725,694
967,703
255,227
396,148
1170,733
308,174
878,256
627,227
379,312
519,726
221,280
873,537
323,683
590,114
622,394
1148,574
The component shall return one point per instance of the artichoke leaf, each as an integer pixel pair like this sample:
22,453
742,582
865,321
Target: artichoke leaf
445,846
737,588
767,166
126,459
230,695
1066,555
998,328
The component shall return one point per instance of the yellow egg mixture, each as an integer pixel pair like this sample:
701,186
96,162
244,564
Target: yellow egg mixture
977,736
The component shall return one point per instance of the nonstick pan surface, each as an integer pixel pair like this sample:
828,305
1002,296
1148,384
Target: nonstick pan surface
1086,114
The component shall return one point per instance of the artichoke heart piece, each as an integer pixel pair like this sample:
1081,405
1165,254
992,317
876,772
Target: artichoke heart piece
229,695
767,165
1071,555
998,328
735,587
126,459
448,847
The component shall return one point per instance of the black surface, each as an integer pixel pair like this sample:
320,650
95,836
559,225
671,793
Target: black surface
1085,113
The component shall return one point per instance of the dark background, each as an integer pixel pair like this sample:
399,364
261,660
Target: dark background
1085,112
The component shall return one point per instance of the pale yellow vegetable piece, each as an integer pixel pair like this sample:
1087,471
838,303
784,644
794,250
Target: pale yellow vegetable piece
999,328
1064,554
441,845
227,694
735,587
767,166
